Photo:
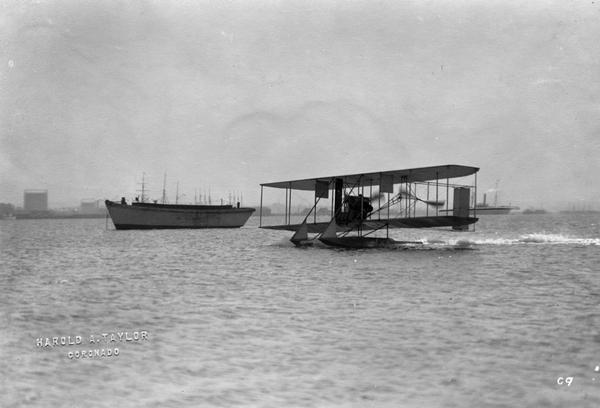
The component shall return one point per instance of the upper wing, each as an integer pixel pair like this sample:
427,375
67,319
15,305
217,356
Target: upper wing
419,174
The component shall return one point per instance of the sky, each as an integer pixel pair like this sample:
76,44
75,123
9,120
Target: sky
225,95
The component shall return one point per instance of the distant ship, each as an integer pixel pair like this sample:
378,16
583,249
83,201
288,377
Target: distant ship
141,215
580,212
586,208
494,210
485,209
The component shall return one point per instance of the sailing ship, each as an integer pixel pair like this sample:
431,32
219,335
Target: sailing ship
141,215
145,215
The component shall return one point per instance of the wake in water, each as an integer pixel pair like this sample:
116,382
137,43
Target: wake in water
557,239
534,238
473,243
404,246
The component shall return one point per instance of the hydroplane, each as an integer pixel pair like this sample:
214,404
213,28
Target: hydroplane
363,207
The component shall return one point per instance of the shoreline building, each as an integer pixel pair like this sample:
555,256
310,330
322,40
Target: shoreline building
90,206
35,200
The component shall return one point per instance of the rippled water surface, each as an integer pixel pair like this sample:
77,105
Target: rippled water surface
491,318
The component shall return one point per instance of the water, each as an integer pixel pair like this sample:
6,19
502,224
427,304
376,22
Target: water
491,318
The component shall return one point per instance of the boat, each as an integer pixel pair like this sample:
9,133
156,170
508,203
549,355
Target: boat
483,208
582,208
487,209
144,215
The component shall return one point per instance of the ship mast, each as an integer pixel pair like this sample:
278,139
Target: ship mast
164,195
143,190
496,194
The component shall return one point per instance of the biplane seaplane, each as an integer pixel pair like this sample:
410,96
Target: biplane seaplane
363,207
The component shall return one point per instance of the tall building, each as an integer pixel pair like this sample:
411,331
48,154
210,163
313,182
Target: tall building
91,207
35,200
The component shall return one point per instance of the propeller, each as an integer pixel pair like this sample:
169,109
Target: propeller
433,203
409,195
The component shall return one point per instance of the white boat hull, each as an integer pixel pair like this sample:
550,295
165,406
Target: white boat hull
492,210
